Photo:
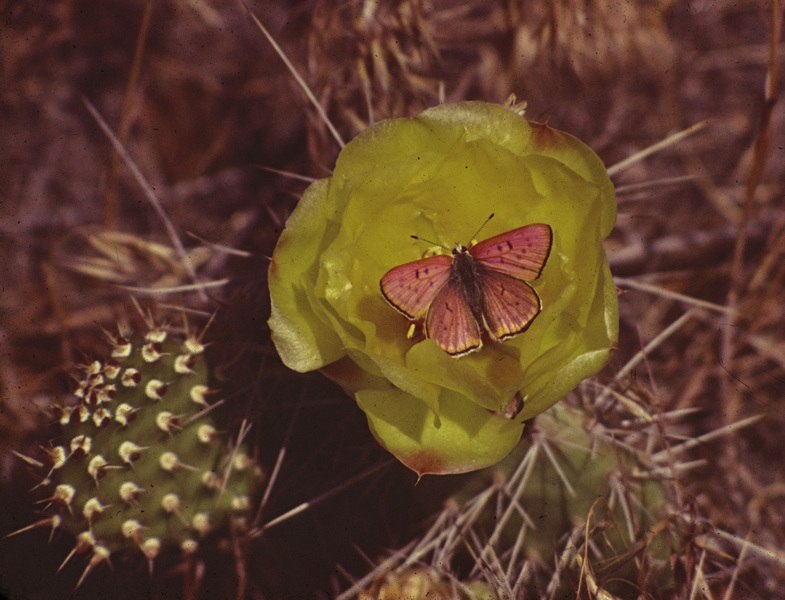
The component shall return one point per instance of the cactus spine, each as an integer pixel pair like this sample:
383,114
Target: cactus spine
140,463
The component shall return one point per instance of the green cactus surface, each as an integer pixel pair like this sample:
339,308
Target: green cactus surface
141,464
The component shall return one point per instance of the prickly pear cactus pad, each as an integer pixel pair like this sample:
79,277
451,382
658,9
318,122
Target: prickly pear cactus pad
140,463
439,176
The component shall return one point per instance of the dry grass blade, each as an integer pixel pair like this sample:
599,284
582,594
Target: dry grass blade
177,289
654,148
300,508
151,196
622,191
769,554
301,82
702,439
699,249
660,291
654,343
760,151
127,116
289,174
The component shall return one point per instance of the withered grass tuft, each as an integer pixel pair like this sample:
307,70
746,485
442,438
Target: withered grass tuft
198,99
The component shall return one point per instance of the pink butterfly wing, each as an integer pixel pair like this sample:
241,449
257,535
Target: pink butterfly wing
451,324
520,253
510,304
413,286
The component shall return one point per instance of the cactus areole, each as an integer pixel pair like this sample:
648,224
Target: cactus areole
140,464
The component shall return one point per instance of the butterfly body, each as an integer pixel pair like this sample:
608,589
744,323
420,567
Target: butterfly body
479,289
466,273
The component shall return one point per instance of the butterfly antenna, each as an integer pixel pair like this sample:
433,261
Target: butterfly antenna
482,226
415,237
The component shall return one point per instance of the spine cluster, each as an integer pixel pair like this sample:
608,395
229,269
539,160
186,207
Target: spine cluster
141,463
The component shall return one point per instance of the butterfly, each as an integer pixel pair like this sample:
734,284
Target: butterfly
478,289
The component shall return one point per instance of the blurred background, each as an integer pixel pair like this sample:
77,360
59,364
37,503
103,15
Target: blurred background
228,141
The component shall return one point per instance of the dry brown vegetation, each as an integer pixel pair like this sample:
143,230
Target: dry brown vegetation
200,100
